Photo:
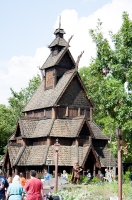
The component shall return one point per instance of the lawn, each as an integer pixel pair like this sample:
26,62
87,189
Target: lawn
95,191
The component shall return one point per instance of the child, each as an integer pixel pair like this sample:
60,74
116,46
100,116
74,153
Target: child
89,175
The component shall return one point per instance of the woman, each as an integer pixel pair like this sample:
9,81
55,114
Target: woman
15,189
64,175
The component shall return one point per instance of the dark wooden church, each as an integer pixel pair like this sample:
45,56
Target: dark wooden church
59,108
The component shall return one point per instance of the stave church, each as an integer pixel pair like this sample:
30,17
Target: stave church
59,109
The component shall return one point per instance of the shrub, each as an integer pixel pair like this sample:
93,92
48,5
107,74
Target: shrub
95,180
126,178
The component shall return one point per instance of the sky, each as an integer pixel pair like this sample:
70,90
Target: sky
27,27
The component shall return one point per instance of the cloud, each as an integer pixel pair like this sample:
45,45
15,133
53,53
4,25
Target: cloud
16,72
111,16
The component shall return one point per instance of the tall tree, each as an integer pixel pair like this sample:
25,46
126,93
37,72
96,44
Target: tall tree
9,115
106,80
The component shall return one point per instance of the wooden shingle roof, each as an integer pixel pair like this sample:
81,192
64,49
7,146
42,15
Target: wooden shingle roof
66,127
59,41
33,155
43,127
47,98
97,131
82,153
53,59
106,158
36,128
67,155
59,30
13,152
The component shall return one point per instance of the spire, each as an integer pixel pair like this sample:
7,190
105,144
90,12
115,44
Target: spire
60,22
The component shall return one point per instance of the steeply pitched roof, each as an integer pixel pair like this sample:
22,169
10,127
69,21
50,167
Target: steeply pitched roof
59,30
106,158
33,155
66,127
97,131
67,155
42,127
82,154
59,41
47,98
53,59
36,128
13,152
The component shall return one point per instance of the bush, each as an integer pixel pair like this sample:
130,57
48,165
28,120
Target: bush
126,178
83,179
95,180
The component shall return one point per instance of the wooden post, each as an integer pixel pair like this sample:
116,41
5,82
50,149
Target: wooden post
79,111
54,78
53,113
119,171
77,150
48,141
94,168
66,112
16,170
44,81
91,114
56,171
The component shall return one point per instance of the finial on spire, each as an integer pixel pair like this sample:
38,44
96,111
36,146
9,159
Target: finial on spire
60,22
78,59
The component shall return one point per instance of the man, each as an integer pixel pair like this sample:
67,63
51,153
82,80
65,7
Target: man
3,185
22,179
34,187
46,175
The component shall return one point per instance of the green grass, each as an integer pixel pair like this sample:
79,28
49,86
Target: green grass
95,191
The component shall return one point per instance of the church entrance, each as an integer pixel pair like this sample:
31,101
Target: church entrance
90,163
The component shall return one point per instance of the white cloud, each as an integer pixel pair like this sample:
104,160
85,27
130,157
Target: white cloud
110,15
20,69
18,72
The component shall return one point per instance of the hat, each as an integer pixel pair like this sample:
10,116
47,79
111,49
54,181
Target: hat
16,179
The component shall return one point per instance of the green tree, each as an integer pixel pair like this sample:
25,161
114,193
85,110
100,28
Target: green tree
106,79
20,99
9,115
7,125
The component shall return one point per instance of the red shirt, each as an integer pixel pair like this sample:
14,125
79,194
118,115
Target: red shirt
33,188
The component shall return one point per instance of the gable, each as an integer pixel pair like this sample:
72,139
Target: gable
18,131
67,61
74,95
85,132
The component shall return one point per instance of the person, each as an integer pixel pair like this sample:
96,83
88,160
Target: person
46,175
89,175
3,186
22,179
76,173
65,175
34,187
107,175
15,189
9,180
101,176
53,176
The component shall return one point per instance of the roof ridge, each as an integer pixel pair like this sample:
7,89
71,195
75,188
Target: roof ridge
96,124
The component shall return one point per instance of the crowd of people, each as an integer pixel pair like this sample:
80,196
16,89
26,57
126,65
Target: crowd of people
19,188
109,175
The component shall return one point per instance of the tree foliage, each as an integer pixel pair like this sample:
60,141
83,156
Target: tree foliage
9,114
108,80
